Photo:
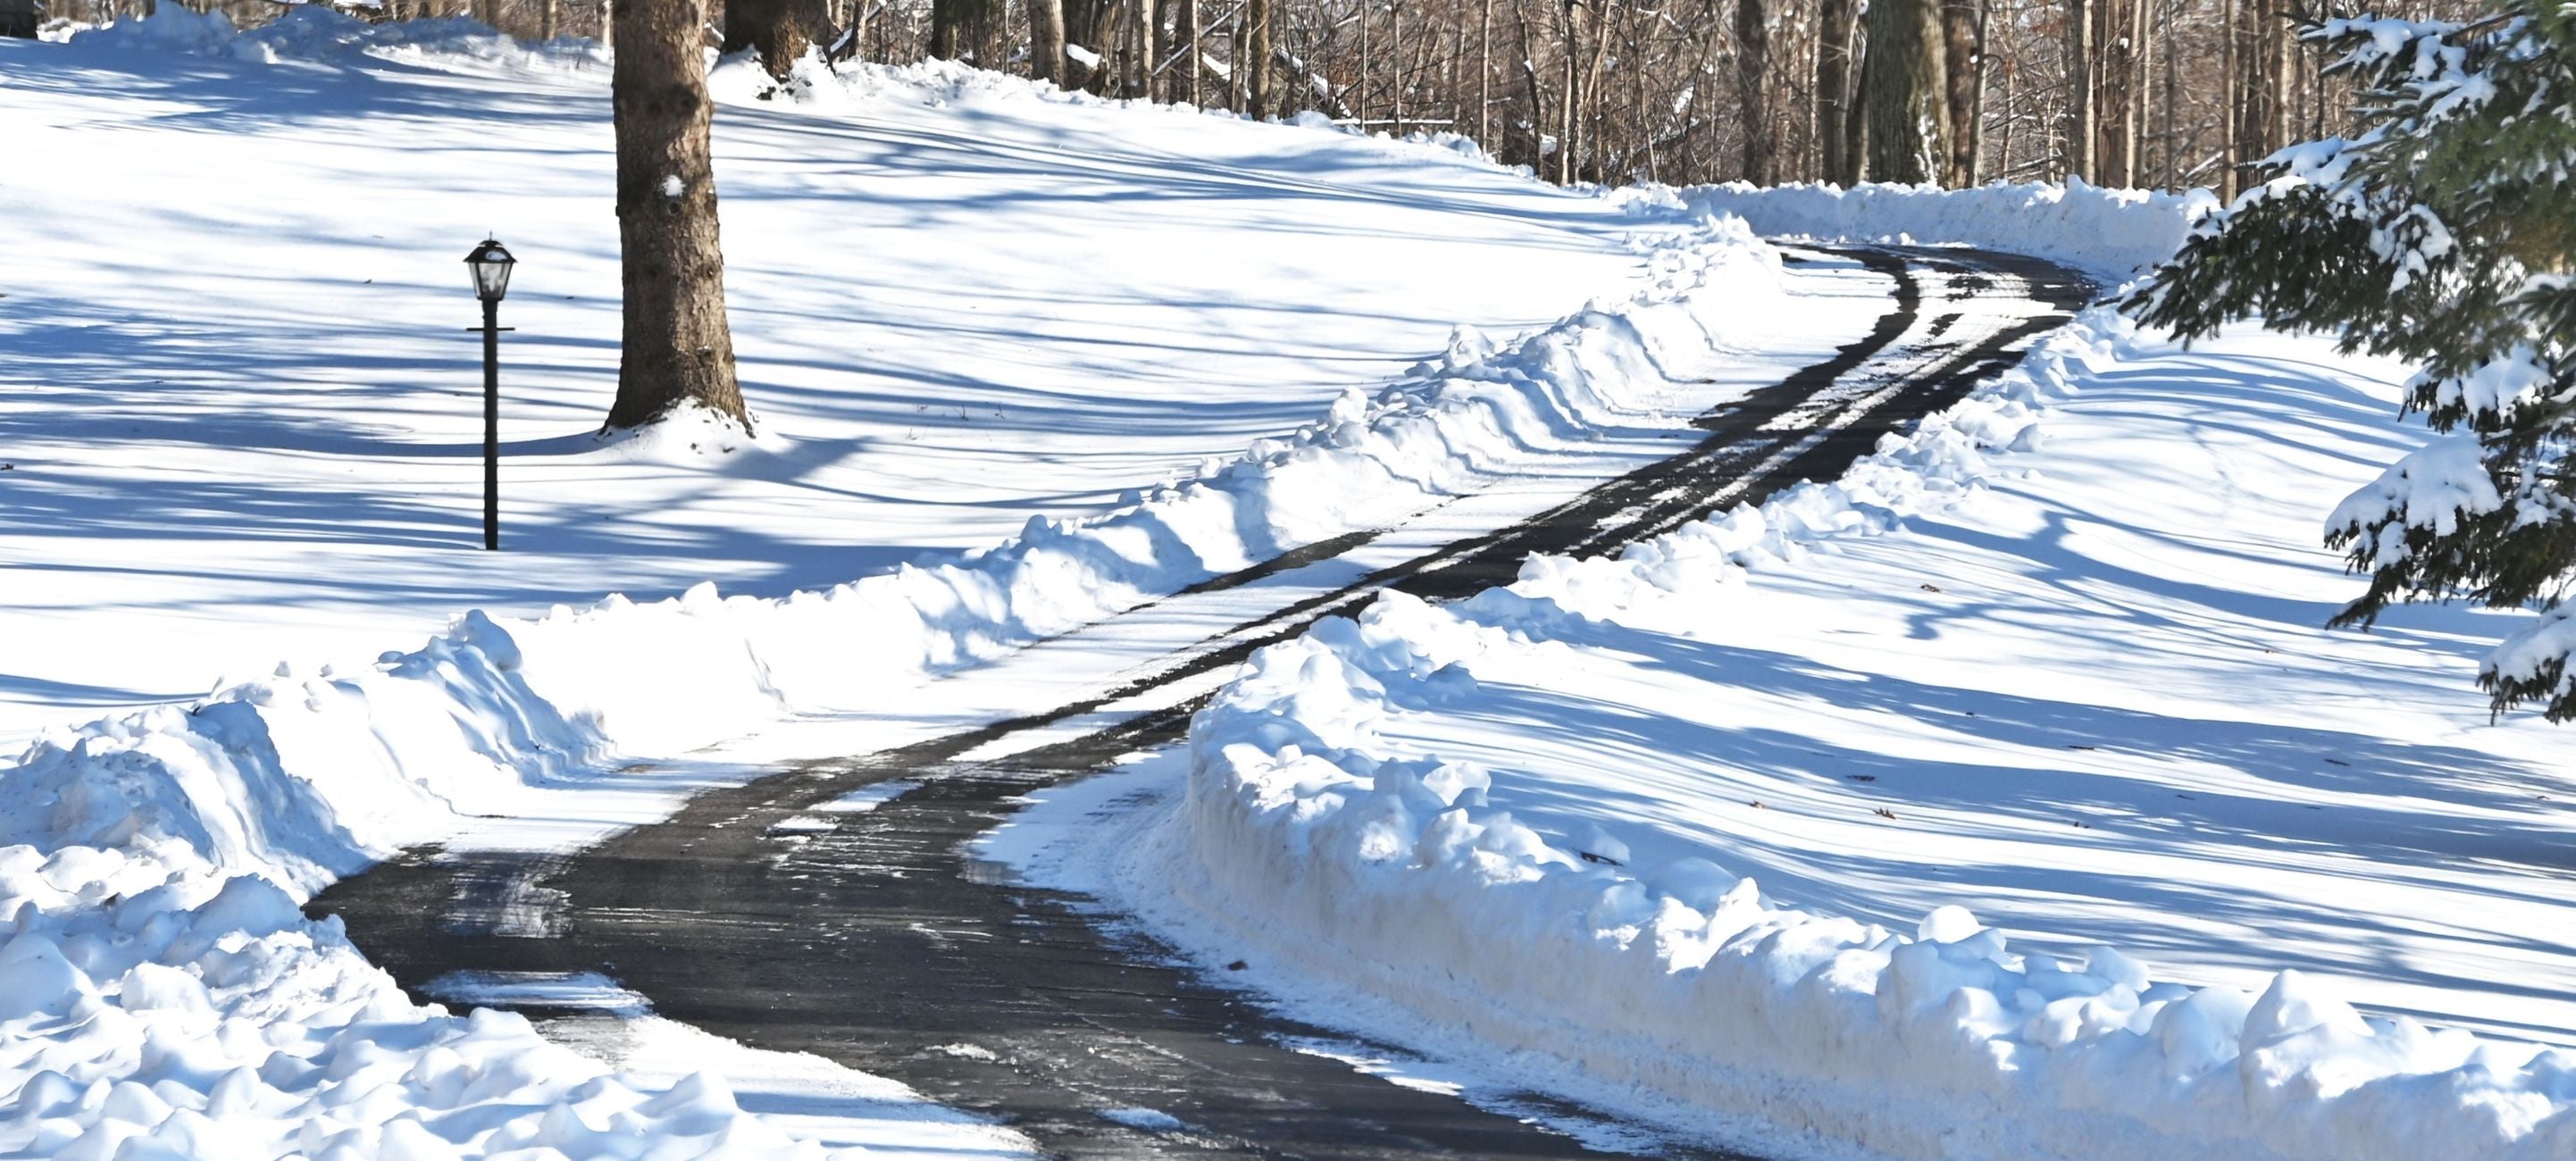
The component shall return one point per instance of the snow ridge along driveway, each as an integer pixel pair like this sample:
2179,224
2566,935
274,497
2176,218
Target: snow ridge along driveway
762,912
1525,827
160,983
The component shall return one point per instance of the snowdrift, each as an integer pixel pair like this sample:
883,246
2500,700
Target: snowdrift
159,982
2111,232
1681,986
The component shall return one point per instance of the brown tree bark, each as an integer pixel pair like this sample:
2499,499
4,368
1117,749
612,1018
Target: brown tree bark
1963,64
1185,43
1256,45
1905,92
1485,75
1753,92
1368,69
2261,83
1046,40
1144,39
2080,133
1833,90
677,346
781,31
963,29
2231,150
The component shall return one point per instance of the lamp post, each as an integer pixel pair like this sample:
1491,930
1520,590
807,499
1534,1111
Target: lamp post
491,266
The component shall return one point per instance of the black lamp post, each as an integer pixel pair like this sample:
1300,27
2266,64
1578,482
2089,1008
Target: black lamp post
491,265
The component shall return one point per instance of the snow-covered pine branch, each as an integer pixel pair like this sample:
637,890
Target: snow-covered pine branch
2442,234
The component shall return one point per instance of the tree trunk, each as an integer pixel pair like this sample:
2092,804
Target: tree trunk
1046,41
1360,91
1753,92
1257,45
963,29
2134,79
1833,91
2257,111
1401,75
1185,45
549,16
1144,39
1963,61
781,31
677,346
2230,146
1485,75
1569,109
2173,100
2080,135
857,35
1905,92
1855,122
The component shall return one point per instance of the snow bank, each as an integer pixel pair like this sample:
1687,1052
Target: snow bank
2113,232
151,1008
302,777
311,32
153,860
1681,990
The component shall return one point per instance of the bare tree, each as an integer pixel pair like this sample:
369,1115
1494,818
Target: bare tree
1046,41
1753,92
2170,92
2080,135
1963,59
677,345
1834,32
1905,92
781,31
1255,61
964,29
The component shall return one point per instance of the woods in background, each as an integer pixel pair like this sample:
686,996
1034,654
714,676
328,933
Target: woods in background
2163,93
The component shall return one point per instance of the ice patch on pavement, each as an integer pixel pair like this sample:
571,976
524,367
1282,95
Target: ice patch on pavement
868,798
577,991
1154,1120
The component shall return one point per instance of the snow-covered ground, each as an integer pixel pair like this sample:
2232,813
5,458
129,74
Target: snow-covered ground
243,437
238,398
2053,661
1713,832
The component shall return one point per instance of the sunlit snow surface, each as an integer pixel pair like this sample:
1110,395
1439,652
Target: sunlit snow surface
240,404
240,425
2066,673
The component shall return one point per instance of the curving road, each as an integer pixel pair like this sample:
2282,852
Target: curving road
877,944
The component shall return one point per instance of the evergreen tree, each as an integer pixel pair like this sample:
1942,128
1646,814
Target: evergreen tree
2442,234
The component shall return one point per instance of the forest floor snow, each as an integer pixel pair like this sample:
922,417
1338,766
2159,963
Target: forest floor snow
239,399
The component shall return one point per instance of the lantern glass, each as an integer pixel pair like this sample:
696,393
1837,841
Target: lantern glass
491,265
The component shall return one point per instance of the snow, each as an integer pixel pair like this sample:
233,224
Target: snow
153,859
2111,232
864,800
2432,488
149,1012
1886,769
1093,311
1711,833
